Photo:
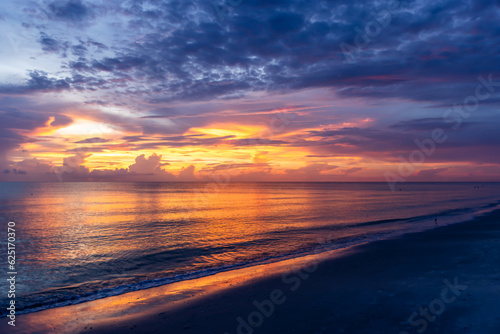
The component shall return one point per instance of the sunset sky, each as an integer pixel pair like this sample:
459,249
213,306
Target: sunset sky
254,90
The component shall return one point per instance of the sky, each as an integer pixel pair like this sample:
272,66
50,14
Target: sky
250,90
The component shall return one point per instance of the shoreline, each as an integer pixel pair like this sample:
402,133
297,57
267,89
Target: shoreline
327,245
287,287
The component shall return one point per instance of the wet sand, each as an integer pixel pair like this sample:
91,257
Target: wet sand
444,280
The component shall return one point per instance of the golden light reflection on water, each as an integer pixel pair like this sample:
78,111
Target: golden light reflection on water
80,238
96,223
90,224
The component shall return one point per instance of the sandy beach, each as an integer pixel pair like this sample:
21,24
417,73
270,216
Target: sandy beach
444,280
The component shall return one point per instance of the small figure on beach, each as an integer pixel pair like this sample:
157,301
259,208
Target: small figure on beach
435,221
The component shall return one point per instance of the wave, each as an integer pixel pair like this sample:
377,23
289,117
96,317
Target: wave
84,292
442,214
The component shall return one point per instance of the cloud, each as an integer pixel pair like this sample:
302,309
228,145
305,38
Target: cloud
75,162
12,122
311,170
10,141
69,10
86,149
280,47
61,120
93,140
387,144
14,118
187,174
283,47
433,174
260,157
426,124
352,170
38,81
34,166
49,44
430,173
145,165
291,46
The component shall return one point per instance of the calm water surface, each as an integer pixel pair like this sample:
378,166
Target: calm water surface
83,241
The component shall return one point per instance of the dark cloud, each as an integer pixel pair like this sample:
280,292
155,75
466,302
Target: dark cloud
79,50
280,46
13,118
145,142
61,120
33,166
133,138
69,10
38,81
430,173
93,140
469,143
258,142
117,64
352,170
49,44
86,149
284,46
10,141
427,124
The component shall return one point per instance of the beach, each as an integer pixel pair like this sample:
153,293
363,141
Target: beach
444,280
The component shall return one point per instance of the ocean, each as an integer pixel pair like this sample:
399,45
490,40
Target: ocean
77,242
